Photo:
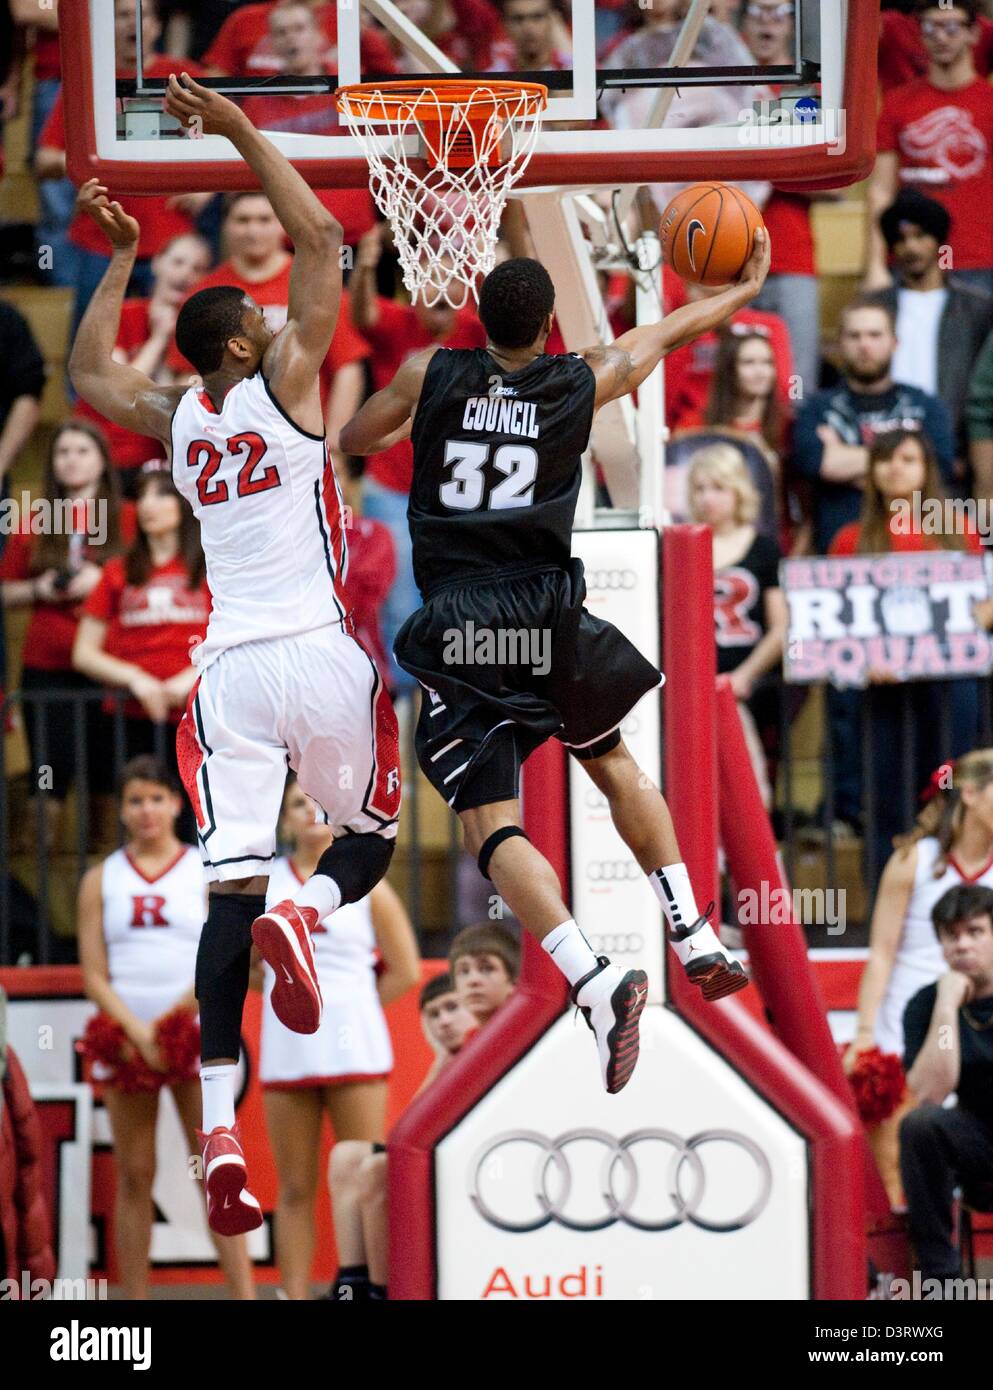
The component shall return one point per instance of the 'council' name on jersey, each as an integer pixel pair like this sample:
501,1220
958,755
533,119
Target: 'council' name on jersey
491,415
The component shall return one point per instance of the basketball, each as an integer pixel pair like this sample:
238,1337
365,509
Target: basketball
708,231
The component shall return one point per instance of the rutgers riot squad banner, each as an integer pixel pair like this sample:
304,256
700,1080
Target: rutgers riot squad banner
909,616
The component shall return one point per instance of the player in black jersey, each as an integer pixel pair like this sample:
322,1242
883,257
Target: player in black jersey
506,652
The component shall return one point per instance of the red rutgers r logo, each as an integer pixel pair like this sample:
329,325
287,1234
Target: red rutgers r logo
735,592
148,911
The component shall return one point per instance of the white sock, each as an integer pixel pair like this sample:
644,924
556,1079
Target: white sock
321,893
570,951
217,1090
674,892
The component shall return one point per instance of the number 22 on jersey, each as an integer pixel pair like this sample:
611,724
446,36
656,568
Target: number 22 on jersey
201,453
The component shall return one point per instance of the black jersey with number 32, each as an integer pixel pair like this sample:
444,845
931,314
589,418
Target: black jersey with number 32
497,465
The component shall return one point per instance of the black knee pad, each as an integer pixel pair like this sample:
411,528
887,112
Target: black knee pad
356,863
493,842
223,960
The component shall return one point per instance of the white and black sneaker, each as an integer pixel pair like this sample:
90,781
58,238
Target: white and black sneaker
611,1000
706,962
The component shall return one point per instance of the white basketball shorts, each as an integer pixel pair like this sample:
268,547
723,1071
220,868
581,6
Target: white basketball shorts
315,703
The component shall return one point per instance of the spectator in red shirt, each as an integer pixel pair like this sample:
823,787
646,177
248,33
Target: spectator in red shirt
768,28
936,133
300,45
147,328
259,264
143,618
464,30
690,370
535,42
903,467
244,45
394,332
372,567
902,55
54,573
161,218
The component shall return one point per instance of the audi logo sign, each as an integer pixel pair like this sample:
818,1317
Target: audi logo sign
569,1163
610,579
613,871
616,943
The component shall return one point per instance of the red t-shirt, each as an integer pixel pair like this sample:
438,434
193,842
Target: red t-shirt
944,142
151,625
371,570
398,334
273,295
846,541
158,221
47,56
787,216
127,449
689,370
51,630
243,48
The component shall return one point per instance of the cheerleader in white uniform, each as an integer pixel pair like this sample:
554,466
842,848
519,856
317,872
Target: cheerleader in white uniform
344,1066
951,844
140,913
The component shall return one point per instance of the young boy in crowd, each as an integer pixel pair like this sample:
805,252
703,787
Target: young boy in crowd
484,962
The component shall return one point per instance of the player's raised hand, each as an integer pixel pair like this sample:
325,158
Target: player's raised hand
200,108
757,266
119,229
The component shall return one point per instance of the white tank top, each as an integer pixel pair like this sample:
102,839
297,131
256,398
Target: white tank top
344,943
919,960
270,514
152,928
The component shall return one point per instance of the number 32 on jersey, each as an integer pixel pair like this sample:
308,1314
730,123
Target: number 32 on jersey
464,491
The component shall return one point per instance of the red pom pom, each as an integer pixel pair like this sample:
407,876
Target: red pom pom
178,1037
878,1084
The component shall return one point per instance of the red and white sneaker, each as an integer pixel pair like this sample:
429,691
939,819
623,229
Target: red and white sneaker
283,937
231,1208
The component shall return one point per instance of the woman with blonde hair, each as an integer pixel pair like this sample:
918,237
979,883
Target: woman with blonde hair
951,844
750,614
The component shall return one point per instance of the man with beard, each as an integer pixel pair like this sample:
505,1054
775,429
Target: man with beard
835,428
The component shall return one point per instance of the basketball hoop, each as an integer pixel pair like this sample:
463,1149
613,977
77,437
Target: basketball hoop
443,156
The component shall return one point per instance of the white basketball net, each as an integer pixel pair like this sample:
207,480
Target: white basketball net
445,220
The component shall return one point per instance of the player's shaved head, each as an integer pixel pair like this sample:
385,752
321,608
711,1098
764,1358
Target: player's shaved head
515,301
207,322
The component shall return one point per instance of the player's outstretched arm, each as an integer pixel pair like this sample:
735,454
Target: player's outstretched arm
121,393
388,415
620,367
292,362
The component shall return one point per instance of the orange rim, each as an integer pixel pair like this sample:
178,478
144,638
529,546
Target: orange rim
382,101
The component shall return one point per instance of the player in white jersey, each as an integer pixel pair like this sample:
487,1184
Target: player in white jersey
282,679
951,845
343,1067
139,921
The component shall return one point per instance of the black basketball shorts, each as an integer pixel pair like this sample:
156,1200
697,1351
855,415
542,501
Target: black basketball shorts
506,664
